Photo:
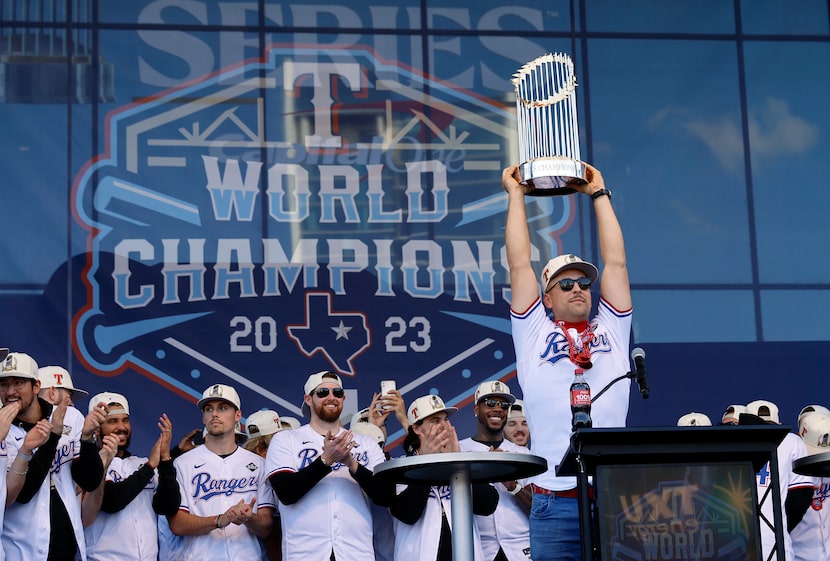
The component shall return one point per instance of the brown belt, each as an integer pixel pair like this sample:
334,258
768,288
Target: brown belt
568,494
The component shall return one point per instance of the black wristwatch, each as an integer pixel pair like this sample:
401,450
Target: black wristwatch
601,193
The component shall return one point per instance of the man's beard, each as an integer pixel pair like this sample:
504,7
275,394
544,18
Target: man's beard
328,415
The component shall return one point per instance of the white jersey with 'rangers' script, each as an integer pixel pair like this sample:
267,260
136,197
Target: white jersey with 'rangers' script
209,485
332,515
130,534
27,527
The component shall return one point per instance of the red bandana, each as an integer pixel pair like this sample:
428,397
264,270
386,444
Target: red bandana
581,354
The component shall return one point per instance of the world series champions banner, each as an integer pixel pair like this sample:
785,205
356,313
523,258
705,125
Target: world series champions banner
315,209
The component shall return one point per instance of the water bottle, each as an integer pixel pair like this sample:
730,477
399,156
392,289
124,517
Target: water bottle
580,401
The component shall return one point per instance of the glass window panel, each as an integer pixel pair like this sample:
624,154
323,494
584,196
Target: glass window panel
784,321
365,14
666,133
685,316
659,16
496,15
773,17
789,125
35,187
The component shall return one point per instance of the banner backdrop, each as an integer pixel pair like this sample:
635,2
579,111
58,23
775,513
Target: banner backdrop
247,229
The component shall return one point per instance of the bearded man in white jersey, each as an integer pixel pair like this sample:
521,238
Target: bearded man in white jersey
124,505
549,350
322,475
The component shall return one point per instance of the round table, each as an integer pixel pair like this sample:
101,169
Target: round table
817,465
461,470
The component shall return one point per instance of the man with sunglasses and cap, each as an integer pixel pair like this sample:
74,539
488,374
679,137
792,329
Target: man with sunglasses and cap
322,475
505,534
549,349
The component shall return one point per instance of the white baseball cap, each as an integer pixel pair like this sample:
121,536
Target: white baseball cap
812,409
494,388
240,435
263,423
361,416
108,398
221,392
733,412
315,380
767,410
292,423
565,262
815,431
370,430
425,406
19,365
694,420
517,410
57,377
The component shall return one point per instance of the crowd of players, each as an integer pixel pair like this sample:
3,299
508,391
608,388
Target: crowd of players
282,490
275,490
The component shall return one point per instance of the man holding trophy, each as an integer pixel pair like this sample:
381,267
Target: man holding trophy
549,350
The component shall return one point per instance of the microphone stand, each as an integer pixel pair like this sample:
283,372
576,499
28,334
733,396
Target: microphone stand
632,375
583,485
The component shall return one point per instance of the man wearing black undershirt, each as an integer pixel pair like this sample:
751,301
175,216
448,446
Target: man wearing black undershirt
505,534
44,522
120,514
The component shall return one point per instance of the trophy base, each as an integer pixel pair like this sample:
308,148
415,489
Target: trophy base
552,176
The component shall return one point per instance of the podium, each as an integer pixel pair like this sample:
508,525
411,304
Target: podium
659,476
460,470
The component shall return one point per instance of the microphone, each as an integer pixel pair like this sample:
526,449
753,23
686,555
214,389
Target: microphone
638,355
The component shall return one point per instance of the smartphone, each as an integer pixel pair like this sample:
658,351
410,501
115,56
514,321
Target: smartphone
385,387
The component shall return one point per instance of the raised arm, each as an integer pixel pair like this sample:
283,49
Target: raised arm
524,289
614,284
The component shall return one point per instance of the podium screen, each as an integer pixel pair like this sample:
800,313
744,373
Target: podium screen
677,512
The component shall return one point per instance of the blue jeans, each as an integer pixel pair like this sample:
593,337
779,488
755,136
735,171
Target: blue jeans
554,529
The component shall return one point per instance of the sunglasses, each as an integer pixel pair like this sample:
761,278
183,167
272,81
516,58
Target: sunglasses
568,284
493,403
324,392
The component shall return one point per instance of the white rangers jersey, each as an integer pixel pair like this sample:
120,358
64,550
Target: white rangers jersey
27,527
131,533
333,515
509,527
209,485
790,449
420,541
545,373
811,538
